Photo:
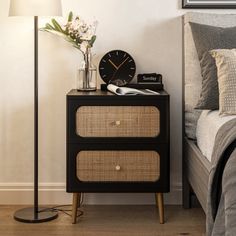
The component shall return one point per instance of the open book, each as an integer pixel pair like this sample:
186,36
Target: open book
130,91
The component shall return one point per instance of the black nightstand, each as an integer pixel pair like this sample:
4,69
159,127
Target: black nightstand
117,144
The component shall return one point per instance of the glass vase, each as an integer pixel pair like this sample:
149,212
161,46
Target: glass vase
87,73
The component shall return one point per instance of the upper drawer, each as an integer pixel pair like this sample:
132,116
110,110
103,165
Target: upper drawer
118,121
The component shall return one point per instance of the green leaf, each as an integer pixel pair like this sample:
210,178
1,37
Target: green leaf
48,26
69,39
70,17
93,39
57,26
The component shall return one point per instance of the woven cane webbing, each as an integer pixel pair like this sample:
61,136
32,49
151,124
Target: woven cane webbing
118,121
127,166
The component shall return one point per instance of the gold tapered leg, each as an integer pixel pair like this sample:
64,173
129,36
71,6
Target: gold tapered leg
160,205
75,205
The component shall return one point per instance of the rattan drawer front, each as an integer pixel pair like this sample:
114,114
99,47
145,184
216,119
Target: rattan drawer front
123,166
118,121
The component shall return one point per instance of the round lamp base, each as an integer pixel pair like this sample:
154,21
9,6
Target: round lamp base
27,215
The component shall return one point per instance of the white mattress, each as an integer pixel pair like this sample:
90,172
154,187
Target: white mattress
208,125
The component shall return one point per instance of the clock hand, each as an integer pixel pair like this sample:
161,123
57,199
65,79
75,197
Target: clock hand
113,64
118,68
123,62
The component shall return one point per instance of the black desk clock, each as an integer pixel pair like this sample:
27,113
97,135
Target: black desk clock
117,67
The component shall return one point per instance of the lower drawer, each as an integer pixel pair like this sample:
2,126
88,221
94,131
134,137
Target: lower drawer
121,166
115,168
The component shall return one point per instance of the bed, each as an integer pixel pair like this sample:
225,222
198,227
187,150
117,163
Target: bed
201,128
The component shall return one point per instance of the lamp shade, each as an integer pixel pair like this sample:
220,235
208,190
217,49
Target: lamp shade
35,8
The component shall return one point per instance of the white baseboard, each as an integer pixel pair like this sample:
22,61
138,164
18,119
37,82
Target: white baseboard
55,193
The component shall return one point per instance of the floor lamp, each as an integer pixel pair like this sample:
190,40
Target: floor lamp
35,8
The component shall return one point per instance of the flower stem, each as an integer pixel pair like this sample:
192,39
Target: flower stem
87,61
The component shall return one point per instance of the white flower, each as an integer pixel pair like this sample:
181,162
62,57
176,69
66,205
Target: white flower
76,31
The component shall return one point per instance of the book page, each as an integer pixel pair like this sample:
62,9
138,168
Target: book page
129,91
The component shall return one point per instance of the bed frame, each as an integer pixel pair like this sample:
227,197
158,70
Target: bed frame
196,167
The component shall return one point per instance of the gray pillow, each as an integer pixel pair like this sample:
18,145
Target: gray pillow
207,38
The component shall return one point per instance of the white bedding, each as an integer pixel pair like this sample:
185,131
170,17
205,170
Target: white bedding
207,127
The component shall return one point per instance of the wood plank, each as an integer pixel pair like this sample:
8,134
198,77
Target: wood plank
110,221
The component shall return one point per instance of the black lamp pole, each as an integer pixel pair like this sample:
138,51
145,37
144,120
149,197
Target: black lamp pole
35,214
36,159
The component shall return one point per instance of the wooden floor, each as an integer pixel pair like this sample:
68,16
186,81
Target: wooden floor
110,221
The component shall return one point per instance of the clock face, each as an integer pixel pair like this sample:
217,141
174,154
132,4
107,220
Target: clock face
117,67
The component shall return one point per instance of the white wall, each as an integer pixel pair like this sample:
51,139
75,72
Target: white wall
149,30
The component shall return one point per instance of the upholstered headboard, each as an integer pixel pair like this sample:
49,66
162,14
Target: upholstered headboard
191,67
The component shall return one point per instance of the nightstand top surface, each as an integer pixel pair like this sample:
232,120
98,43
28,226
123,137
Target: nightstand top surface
75,93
